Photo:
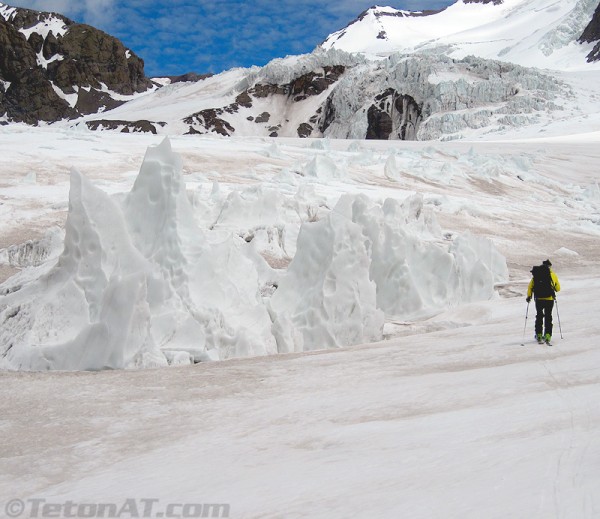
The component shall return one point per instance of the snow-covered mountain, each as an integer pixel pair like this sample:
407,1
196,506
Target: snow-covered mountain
532,33
474,69
471,70
341,95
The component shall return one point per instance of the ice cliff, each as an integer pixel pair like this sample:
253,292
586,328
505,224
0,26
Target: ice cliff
431,98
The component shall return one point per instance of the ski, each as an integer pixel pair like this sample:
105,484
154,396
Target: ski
541,343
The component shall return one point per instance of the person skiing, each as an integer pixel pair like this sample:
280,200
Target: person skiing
543,286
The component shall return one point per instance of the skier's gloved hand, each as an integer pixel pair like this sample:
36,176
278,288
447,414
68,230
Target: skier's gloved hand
528,299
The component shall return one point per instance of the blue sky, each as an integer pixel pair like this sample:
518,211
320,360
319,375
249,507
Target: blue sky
178,36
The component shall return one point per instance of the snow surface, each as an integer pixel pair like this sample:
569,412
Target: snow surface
49,24
6,11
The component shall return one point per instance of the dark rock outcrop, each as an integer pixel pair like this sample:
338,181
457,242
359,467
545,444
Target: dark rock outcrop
329,115
30,98
401,13
209,121
79,60
88,101
393,116
304,130
312,83
141,126
309,84
263,118
244,100
16,55
591,34
95,58
190,77
495,2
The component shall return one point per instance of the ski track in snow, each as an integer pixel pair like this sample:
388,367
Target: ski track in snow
450,417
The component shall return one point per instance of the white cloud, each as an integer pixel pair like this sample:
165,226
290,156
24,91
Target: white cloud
92,12
98,12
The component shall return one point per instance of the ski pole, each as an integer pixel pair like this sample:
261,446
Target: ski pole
558,315
524,327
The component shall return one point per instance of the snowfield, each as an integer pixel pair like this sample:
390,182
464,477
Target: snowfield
446,416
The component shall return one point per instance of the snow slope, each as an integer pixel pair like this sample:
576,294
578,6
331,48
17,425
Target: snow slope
532,33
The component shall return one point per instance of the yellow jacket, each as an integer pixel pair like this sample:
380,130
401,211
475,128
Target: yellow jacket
555,286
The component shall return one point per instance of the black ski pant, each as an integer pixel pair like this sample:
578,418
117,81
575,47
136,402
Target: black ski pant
543,317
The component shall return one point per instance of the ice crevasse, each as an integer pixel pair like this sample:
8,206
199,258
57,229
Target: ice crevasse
140,284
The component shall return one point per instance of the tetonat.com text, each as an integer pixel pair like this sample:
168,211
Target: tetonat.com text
131,508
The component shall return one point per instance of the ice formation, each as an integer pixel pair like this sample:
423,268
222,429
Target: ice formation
91,310
326,299
136,285
321,167
570,28
285,70
415,272
34,252
151,279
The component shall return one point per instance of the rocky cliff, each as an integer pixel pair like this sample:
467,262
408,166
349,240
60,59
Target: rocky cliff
52,68
592,35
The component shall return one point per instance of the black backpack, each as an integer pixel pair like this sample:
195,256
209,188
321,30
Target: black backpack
542,282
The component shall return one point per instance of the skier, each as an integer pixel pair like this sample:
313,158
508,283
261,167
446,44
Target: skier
543,286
